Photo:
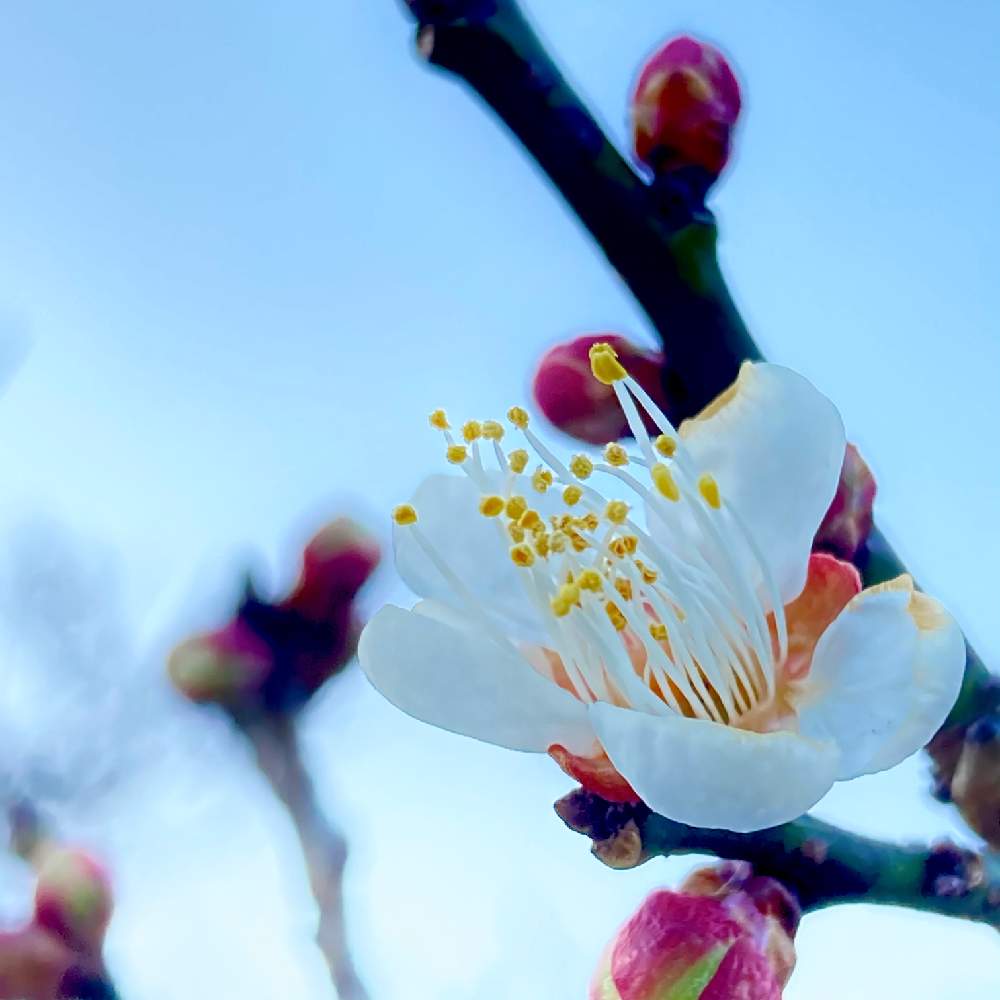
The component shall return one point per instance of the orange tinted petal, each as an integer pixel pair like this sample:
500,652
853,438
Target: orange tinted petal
596,773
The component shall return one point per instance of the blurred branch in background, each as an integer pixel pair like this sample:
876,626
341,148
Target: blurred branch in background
656,231
262,668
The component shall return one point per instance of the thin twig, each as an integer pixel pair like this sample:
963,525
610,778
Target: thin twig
324,849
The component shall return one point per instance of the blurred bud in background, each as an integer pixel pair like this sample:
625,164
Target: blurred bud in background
271,657
73,898
577,403
683,109
848,522
725,933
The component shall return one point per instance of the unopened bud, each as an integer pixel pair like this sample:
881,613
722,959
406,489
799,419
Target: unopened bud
684,107
725,934
221,666
579,404
73,899
848,523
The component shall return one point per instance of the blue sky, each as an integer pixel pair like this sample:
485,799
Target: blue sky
246,247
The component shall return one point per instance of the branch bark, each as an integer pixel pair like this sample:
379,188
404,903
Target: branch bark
324,849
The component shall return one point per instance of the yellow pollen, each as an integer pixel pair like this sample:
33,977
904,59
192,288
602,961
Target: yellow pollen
457,454
578,542
616,512
590,521
472,430
542,546
516,506
605,365
529,519
518,459
492,430
557,541
709,490
589,579
624,587
648,575
565,599
516,532
617,547
614,613
631,544
572,495
522,555
541,480
439,420
581,466
616,455
491,506
666,446
664,481
658,632
404,514
518,417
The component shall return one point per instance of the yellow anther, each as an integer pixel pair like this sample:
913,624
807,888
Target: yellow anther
542,546
518,459
664,482
472,430
557,541
562,521
581,466
680,614
616,455
624,587
709,490
659,632
516,532
616,511
617,547
565,599
589,579
439,420
605,365
541,480
617,618
666,446
631,544
522,555
491,506
404,514
590,521
492,430
518,417
516,506
648,575
529,519
572,495
579,543
457,454
539,529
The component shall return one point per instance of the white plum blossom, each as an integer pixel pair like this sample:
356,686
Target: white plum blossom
671,637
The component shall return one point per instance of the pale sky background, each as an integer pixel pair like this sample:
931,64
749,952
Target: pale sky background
245,248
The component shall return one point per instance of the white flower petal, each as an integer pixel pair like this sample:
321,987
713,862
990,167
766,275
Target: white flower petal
474,547
711,775
884,676
775,445
457,679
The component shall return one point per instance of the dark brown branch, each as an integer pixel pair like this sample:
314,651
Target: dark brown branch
324,849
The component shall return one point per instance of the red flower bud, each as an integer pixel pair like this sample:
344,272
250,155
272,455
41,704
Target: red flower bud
335,565
33,963
725,934
73,899
685,104
848,522
571,398
221,666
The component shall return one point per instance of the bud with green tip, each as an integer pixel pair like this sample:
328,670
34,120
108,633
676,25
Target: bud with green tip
73,899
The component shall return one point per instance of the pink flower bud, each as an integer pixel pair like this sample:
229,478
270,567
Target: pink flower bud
725,934
684,107
221,666
571,398
848,522
335,565
73,899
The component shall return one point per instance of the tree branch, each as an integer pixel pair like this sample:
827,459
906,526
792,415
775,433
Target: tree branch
822,864
660,238
324,848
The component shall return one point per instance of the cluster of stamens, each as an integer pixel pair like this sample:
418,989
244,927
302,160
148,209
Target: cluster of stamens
634,622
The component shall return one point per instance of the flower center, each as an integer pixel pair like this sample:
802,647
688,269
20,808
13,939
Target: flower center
636,618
